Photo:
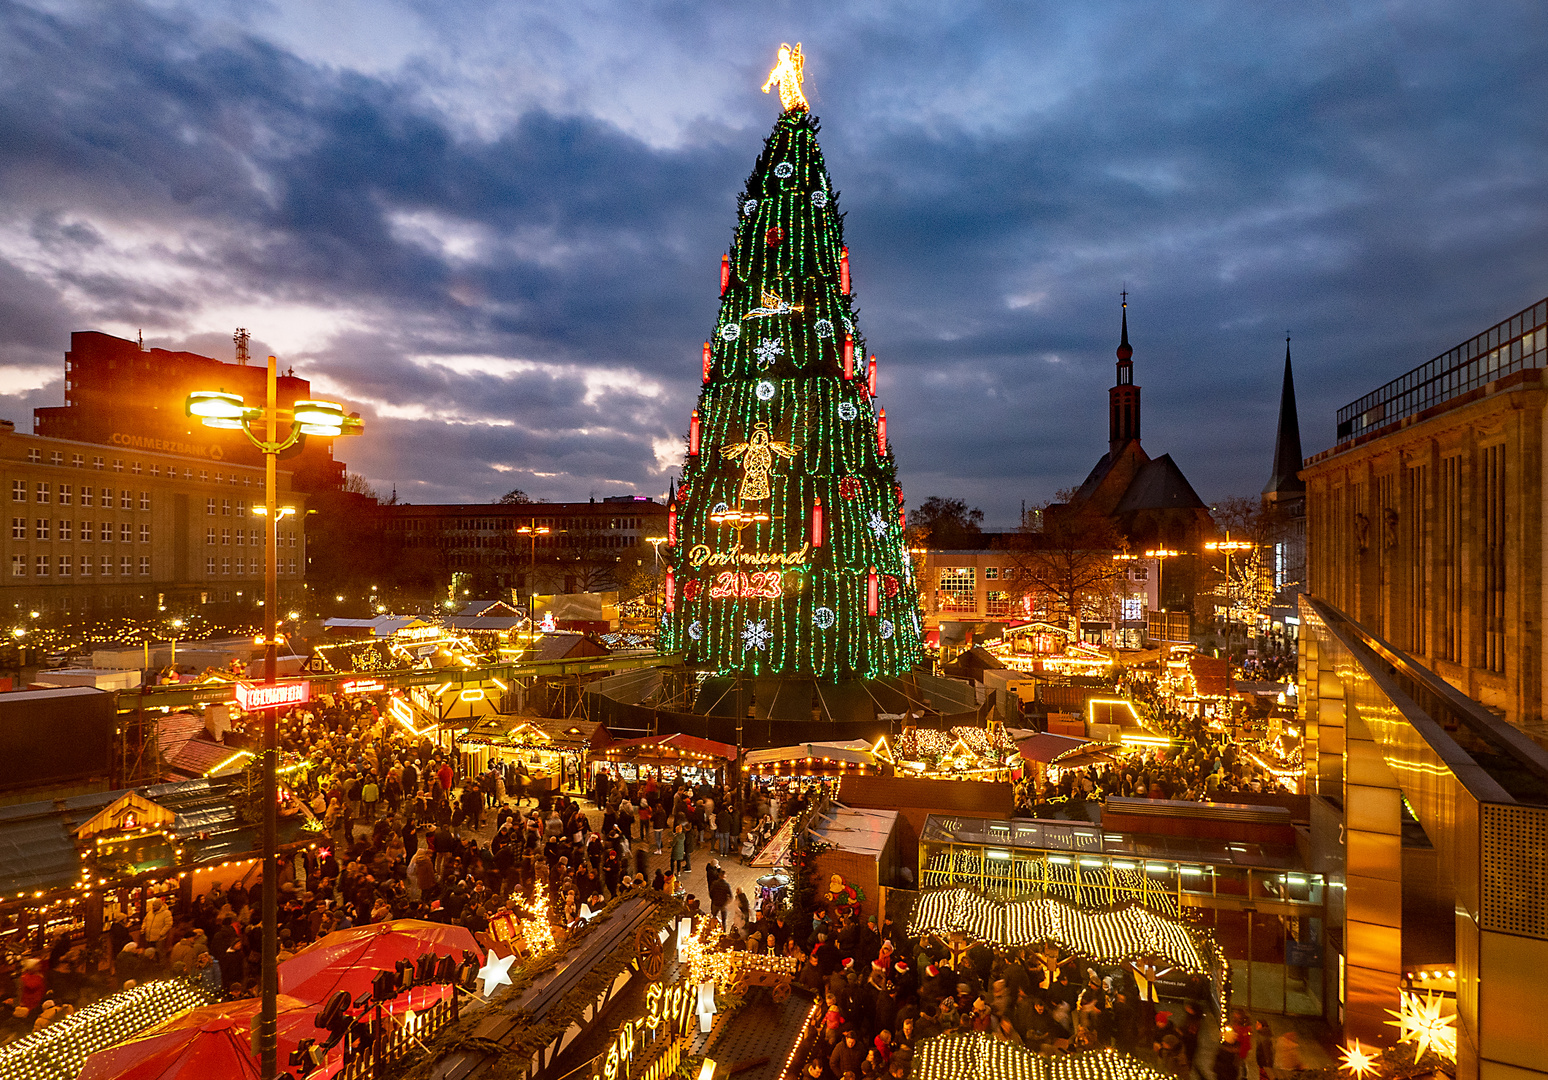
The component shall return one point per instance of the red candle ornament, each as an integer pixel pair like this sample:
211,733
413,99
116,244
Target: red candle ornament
693,434
706,361
671,591
849,356
870,375
817,522
870,593
844,271
725,274
671,523
881,432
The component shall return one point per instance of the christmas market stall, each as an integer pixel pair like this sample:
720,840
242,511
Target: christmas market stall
986,753
785,770
550,753
854,854
665,757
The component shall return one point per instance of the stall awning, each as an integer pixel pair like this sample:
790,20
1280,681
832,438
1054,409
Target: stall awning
855,751
1043,748
669,749
863,832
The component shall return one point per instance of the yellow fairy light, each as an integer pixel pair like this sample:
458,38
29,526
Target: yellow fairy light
789,73
1358,1061
1420,1022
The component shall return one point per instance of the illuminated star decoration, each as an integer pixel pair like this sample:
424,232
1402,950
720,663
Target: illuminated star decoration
1358,1061
496,972
1420,1022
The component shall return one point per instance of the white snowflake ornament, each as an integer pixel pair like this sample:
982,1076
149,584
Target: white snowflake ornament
769,350
756,635
877,524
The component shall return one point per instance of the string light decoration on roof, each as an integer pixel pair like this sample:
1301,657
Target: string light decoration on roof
979,1057
788,515
59,1050
1018,876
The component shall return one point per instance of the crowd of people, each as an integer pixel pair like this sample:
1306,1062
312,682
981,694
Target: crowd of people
883,993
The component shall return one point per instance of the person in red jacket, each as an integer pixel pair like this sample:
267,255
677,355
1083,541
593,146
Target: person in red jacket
34,986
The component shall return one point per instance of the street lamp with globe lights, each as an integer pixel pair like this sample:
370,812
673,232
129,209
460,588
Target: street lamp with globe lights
220,409
534,531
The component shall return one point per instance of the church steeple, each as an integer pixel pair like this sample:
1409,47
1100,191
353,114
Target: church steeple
1284,484
1123,423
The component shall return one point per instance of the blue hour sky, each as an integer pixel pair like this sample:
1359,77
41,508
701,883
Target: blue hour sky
495,227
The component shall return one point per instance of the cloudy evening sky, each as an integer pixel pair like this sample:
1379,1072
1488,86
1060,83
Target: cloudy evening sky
495,227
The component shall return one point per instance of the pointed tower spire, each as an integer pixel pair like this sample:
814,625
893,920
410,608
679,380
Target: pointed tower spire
1123,400
1284,483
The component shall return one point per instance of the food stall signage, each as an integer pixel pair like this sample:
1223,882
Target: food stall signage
255,696
361,686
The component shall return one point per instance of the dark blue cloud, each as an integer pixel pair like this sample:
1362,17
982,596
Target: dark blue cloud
509,261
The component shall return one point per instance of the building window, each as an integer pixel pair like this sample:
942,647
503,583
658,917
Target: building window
125,499
42,494
145,565
292,536
225,507
241,567
34,456
42,528
18,566
1492,474
65,565
225,565
209,565
77,461
209,535
107,498
126,565
144,500
1140,573
40,566
97,463
204,476
209,507
87,535
135,468
241,508
239,537
56,458
255,539
957,589
187,474
107,532
64,528
107,565
144,534
18,528
156,469
225,537
118,464
18,491
125,533
996,602
64,494
86,494
220,478
85,566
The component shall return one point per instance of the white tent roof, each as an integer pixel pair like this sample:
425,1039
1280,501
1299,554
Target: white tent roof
856,751
863,832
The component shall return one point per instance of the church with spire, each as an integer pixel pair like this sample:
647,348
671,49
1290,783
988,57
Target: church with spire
1285,493
1148,500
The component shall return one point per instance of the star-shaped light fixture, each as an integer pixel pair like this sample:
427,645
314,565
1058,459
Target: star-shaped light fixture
496,972
1359,1061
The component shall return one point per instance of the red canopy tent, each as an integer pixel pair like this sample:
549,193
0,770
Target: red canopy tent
350,959
217,1047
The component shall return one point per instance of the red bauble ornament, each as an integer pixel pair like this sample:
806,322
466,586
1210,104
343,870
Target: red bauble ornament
774,236
849,487
691,589
890,583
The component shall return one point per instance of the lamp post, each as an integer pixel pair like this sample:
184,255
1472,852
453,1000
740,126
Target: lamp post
218,409
1228,545
655,542
534,532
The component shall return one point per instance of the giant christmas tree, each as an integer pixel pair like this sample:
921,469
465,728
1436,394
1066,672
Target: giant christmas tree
786,551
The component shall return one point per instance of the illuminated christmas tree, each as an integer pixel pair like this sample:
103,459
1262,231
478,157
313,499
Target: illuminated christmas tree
786,551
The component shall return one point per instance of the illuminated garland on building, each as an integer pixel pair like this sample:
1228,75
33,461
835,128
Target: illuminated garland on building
980,1057
789,555
59,1050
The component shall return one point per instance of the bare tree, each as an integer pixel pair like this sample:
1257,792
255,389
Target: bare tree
1245,562
945,523
1066,564
355,484
514,496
